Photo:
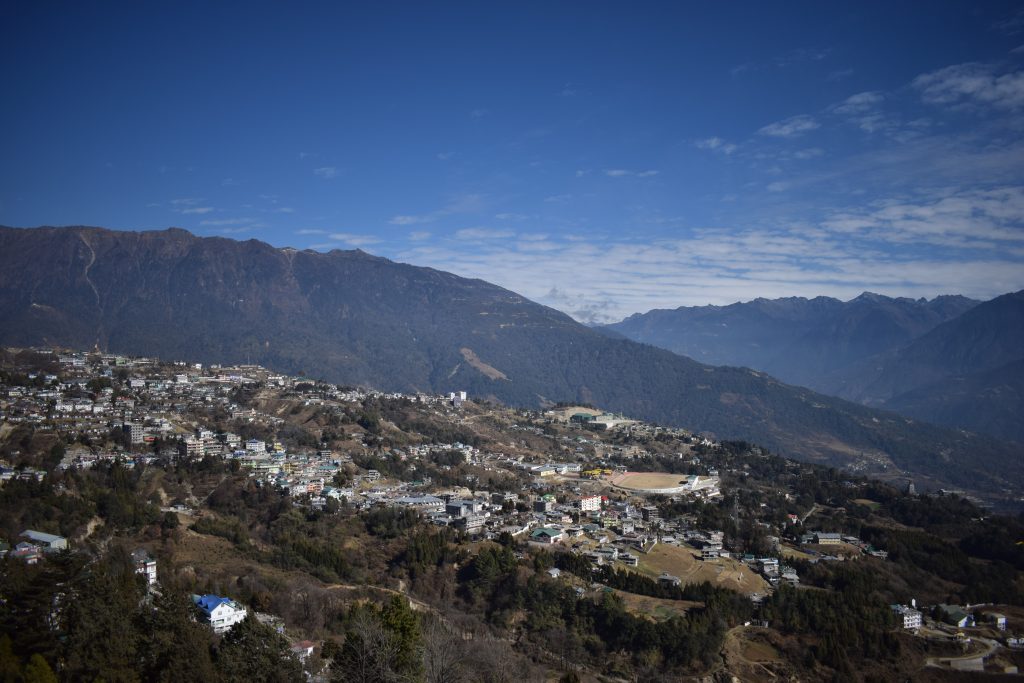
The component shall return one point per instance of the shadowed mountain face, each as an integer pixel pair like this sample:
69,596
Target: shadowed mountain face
967,372
951,360
801,341
354,318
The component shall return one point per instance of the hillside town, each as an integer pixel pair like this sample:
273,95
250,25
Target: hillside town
612,494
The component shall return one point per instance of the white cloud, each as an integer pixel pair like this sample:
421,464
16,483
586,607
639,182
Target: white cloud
975,239
791,127
478,113
227,221
409,220
198,210
972,84
623,173
353,239
419,236
483,234
310,231
716,143
859,103
325,172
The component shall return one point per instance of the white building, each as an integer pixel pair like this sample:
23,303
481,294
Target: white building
144,565
220,613
48,542
910,616
255,446
590,503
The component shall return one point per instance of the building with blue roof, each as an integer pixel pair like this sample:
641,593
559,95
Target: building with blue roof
220,613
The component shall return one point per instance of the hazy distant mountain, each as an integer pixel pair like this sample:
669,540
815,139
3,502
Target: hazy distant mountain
355,318
801,341
967,372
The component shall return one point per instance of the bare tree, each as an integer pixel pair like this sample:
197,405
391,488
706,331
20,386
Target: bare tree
444,653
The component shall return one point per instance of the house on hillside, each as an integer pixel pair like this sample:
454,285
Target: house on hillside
667,579
220,613
956,616
546,535
144,565
48,542
303,650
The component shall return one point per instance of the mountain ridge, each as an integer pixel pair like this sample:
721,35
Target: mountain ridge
357,318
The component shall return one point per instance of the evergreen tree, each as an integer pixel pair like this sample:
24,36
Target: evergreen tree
254,652
175,646
38,671
101,618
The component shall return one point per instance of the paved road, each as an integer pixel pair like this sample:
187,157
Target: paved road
990,646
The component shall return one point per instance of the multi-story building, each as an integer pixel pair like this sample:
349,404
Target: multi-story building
144,565
220,613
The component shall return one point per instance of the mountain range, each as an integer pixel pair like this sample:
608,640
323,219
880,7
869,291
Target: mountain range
349,317
950,360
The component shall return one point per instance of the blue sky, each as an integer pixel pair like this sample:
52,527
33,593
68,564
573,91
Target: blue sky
601,158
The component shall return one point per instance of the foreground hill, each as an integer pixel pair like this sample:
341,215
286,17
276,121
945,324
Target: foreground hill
355,318
801,341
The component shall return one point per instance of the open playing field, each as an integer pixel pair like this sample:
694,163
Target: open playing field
648,480
655,608
682,562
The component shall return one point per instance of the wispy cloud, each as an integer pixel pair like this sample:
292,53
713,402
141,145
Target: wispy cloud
227,221
354,240
716,143
325,172
839,75
625,173
1011,25
462,204
478,113
483,234
864,110
859,103
310,231
419,235
791,127
787,59
974,84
